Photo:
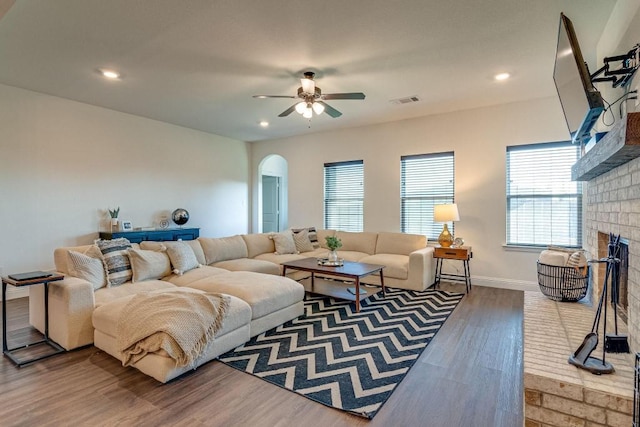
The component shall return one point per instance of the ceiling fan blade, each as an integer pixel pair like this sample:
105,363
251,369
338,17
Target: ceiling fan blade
274,96
352,95
288,111
329,110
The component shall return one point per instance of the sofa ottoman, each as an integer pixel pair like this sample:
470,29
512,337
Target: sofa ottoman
234,332
273,299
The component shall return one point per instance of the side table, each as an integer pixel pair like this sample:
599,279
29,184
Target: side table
462,253
10,352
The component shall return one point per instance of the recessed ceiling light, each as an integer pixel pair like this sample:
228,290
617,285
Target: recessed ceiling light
264,124
110,74
502,76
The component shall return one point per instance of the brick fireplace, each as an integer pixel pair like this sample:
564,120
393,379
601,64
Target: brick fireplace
556,393
613,206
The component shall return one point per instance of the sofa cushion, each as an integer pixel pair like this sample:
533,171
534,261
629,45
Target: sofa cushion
258,243
399,243
147,265
223,248
322,237
354,256
193,275
360,242
88,266
247,264
396,266
302,241
116,260
265,294
312,234
194,244
105,318
106,295
278,259
182,258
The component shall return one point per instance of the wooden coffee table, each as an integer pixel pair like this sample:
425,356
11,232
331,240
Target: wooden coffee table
351,270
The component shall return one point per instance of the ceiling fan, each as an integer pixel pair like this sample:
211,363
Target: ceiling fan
312,99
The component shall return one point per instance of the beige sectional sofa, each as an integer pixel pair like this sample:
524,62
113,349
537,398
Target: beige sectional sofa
245,267
407,259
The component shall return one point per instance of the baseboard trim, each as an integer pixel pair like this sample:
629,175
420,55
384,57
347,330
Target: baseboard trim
496,282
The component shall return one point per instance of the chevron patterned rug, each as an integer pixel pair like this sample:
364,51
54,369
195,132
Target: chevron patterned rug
343,359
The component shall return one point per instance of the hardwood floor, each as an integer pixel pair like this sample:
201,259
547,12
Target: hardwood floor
469,375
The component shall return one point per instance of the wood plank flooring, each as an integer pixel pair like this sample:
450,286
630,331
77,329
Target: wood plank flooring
469,375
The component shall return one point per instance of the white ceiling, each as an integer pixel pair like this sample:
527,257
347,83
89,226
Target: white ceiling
197,63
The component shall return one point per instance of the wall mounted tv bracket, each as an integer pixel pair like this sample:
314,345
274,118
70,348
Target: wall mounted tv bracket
620,76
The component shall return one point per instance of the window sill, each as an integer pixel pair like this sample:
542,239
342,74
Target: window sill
516,248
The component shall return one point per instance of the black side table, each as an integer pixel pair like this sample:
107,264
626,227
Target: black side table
10,352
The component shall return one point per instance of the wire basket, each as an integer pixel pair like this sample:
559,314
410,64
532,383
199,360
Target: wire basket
566,284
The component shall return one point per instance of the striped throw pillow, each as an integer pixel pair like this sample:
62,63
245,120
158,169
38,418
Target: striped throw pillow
116,260
313,235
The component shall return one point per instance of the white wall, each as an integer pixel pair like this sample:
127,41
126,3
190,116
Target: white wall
62,163
479,139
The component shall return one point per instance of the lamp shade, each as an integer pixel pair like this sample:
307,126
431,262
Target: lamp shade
446,213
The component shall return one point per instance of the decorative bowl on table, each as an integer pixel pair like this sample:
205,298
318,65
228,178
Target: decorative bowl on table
330,263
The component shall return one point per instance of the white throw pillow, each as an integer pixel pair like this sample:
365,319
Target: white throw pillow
149,265
182,258
88,266
284,243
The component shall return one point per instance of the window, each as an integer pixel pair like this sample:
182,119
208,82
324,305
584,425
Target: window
543,205
426,180
344,195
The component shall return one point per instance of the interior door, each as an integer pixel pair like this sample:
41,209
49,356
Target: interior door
270,203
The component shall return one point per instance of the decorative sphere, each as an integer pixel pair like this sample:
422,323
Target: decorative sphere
180,216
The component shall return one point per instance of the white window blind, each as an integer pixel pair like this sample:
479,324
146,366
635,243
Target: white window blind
426,180
344,195
543,205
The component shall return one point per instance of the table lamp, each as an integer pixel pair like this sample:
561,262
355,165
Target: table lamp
446,213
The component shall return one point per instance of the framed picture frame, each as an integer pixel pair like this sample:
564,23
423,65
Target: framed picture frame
126,226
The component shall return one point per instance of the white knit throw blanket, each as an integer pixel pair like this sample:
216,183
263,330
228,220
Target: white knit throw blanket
180,323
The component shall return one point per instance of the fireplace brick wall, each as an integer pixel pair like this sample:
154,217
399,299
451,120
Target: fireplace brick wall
612,205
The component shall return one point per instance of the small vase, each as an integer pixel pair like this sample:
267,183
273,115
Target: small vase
114,224
333,256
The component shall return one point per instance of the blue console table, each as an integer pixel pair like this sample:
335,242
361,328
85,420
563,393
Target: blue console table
138,236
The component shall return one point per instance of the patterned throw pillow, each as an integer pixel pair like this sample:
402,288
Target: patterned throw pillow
116,260
149,265
577,259
88,266
182,258
301,239
284,243
313,235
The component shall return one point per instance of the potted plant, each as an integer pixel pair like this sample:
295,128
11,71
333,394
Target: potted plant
333,243
113,213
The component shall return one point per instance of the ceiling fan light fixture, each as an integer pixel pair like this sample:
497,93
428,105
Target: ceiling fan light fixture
308,113
308,86
318,108
301,107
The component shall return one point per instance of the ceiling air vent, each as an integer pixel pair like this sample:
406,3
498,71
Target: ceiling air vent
406,100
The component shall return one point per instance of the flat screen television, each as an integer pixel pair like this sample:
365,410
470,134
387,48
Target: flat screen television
581,101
